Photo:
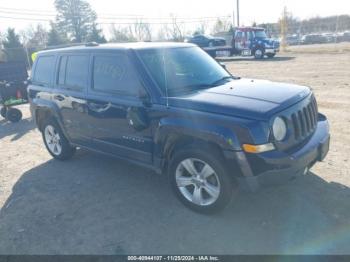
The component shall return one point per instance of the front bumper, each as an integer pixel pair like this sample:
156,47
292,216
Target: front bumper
279,167
271,50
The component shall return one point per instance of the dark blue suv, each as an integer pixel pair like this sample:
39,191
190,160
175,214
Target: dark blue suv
172,108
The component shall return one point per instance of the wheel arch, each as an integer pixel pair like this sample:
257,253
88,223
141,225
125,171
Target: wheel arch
169,139
44,110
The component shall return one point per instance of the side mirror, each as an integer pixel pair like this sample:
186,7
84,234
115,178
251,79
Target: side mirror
144,97
137,118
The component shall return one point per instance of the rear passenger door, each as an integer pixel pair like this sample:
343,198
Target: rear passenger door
70,95
114,91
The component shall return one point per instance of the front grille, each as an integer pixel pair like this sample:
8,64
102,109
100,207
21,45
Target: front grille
305,120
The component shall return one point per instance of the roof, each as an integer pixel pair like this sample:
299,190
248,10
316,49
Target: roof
121,46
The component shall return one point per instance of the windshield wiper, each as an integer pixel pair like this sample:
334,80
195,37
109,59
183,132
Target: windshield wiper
190,88
195,87
220,80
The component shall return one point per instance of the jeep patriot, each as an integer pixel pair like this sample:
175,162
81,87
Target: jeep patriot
172,108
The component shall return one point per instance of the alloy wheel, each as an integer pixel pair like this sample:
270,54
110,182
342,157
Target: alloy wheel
197,181
53,140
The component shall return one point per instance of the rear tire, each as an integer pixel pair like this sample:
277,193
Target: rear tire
55,141
13,115
270,55
3,112
200,180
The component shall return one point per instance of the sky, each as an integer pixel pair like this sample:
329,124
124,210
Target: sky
259,11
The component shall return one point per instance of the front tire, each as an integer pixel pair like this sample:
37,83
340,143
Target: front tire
200,180
259,53
55,141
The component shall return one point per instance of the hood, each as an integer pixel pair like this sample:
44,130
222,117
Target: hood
247,98
268,41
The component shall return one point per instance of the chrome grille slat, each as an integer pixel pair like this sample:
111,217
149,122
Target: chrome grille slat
308,110
314,108
296,126
312,122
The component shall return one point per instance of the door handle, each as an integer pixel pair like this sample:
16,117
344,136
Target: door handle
59,97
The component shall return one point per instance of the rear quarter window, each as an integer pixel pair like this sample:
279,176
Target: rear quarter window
44,70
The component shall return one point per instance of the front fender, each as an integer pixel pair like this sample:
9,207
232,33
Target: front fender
170,127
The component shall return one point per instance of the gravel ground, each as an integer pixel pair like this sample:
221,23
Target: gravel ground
98,205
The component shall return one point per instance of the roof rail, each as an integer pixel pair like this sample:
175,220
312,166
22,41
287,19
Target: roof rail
92,44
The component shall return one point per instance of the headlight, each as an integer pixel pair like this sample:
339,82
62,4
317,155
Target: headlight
279,129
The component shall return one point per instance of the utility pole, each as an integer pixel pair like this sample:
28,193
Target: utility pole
237,13
284,29
233,18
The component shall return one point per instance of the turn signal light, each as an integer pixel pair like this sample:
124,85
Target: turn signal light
258,148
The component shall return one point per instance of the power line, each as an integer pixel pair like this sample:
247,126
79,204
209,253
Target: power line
107,23
24,13
27,19
29,12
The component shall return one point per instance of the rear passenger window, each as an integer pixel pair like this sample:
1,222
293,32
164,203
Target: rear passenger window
44,70
115,74
73,72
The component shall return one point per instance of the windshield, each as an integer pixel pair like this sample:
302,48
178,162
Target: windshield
260,34
182,70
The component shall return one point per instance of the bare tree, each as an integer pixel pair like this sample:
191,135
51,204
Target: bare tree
35,37
120,34
201,28
141,31
174,31
221,25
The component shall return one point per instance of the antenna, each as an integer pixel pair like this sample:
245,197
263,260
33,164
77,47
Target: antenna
165,78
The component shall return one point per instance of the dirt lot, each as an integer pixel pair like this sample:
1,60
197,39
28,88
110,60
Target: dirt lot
97,205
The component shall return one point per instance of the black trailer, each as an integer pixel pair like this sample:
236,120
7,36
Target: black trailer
13,89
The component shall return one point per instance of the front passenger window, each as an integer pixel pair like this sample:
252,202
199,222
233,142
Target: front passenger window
115,74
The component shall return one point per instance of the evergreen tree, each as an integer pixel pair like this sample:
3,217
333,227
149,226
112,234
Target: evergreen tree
75,18
96,35
55,37
13,47
12,39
